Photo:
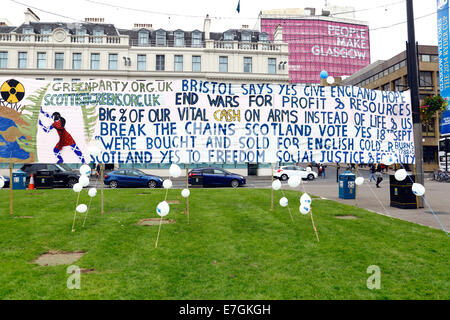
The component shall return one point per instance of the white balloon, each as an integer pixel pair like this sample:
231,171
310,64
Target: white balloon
2,183
359,181
284,202
418,189
77,187
85,170
82,208
400,174
167,184
92,192
305,199
84,181
388,159
162,209
294,181
185,193
304,209
2,178
94,151
330,80
276,185
175,171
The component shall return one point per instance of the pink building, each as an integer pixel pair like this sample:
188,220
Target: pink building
328,42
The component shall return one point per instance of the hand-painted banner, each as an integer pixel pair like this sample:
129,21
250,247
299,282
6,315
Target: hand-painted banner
197,121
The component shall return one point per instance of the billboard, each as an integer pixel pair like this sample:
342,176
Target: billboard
340,48
444,63
197,121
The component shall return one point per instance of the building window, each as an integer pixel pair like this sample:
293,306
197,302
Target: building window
42,60
179,38
272,65
23,57
3,60
160,38
46,31
429,128
196,39
98,35
223,64
247,64
95,61
386,87
80,33
76,61
143,38
59,60
178,63
398,85
246,36
27,30
430,154
263,37
112,62
425,57
196,63
425,79
141,62
228,36
160,62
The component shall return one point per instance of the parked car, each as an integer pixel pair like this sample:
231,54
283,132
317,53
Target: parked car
63,175
132,178
6,179
215,177
283,173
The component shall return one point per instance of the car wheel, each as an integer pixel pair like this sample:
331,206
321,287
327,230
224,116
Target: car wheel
71,182
310,177
234,183
113,184
152,184
284,177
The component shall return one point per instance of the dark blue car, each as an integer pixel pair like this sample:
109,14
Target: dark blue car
215,177
132,178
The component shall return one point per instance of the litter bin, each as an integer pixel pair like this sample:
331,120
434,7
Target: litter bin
401,193
19,180
44,179
347,185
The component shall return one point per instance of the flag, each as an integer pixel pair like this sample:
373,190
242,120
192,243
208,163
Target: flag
238,9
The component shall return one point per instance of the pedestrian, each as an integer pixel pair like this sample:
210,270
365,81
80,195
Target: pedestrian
379,175
320,170
372,173
323,171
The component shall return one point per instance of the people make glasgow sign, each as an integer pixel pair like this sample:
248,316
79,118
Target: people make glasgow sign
198,121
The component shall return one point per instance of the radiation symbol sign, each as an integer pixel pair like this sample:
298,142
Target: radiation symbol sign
12,91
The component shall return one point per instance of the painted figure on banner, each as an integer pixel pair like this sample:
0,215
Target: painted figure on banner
65,139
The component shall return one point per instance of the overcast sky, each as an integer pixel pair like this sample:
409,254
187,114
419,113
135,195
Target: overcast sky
187,15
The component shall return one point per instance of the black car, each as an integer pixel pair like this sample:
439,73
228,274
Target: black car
63,175
215,177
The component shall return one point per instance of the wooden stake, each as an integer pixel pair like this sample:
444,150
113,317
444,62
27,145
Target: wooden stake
10,189
102,168
187,187
314,226
271,189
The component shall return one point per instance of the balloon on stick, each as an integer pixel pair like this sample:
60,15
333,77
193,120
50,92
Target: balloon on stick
418,189
359,181
85,170
294,181
305,199
276,185
185,193
175,170
82,208
400,174
167,184
304,209
92,192
162,209
84,181
77,187
2,183
284,202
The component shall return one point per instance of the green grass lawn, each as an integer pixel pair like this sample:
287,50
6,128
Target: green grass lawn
233,248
